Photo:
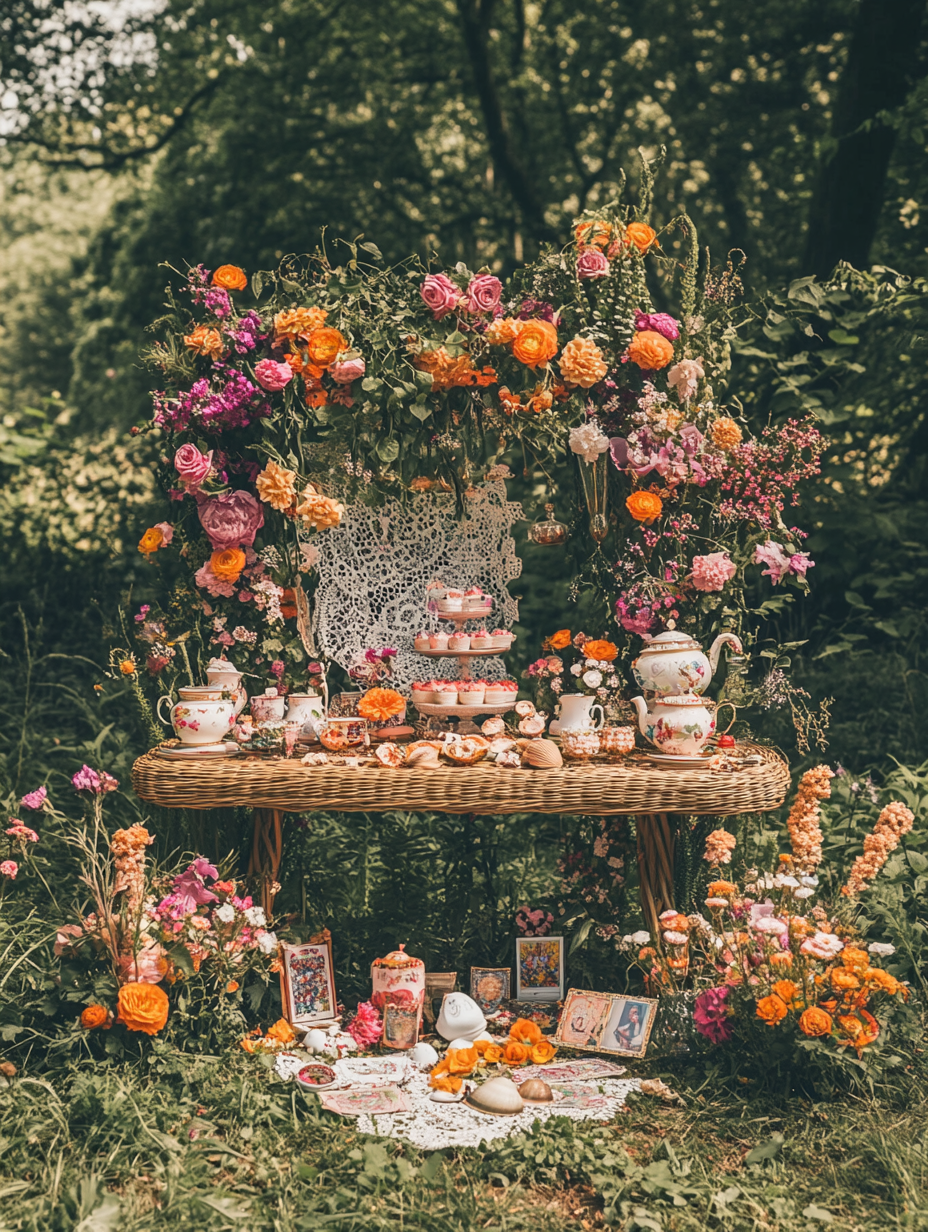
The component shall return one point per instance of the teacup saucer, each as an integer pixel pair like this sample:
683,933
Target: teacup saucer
227,749
680,759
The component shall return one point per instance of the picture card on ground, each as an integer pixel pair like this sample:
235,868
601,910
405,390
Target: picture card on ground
539,968
490,987
307,983
400,1026
369,1101
570,1071
437,983
606,1022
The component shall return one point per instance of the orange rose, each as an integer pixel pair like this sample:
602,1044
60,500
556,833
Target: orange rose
323,346
771,1010
96,1016
462,1060
230,278
639,235
650,350
882,980
602,651
644,506
204,341
786,990
557,641
227,565
151,541
592,234
380,704
843,980
143,1007
282,1032
814,1021
515,1053
493,1054
535,343
855,959
525,1032
543,1051
444,1082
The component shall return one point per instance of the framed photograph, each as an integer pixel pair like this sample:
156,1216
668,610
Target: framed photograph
437,983
539,968
606,1022
400,1026
307,983
490,987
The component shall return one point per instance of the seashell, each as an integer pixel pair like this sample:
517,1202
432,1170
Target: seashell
524,709
467,752
460,1016
536,1091
509,759
423,758
543,755
315,1040
315,759
390,755
423,1056
534,725
493,727
501,744
448,1097
498,1096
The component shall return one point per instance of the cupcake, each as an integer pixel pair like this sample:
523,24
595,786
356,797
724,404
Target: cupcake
501,639
438,641
481,640
446,692
451,601
421,692
459,641
474,599
421,640
501,692
472,692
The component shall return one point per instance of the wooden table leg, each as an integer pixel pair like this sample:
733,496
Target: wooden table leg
267,849
655,866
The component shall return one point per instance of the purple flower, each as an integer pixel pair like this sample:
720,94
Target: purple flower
660,322
189,888
35,800
539,308
779,564
142,613
710,1014
248,334
217,302
86,780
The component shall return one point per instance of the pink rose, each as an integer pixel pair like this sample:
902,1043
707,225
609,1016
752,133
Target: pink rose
192,466
684,378
231,520
167,532
149,966
440,294
272,376
347,370
660,322
711,573
483,293
592,263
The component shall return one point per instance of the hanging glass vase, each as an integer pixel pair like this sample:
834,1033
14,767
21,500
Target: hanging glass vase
735,688
551,532
595,479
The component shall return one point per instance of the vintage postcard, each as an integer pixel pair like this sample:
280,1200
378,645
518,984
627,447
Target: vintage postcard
490,987
365,1101
539,968
307,983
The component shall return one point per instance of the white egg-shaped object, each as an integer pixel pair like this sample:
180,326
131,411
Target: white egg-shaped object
460,1018
423,1056
315,1040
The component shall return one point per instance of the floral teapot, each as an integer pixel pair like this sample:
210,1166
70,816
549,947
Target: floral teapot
678,726
673,663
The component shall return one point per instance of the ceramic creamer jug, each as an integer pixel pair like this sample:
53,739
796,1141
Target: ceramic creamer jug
305,708
673,663
575,713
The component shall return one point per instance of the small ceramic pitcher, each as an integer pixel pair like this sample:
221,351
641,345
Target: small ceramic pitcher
202,720
575,713
268,707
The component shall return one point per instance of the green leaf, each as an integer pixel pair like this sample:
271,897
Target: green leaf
371,384
103,1218
842,337
856,600
388,450
375,252
180,957
767,1150
228,1207
257,284
421,410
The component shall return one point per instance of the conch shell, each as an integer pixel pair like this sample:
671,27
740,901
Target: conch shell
543,755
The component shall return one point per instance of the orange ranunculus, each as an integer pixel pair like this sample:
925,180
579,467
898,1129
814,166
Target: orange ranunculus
543,1051
843,980
858,1034
644,506
639,235
602,651
535,343
151,541
854,959
323,345
650,350
143,1007
882,979
230,278
557,641
298,322
493,1054
525,1031
771,1009
445,1082
783,958
501,331
316,397
721,887
381,704
282,1032
592,234
515,1053
462,1060
786,990
204,341
815,1021
95,1016
227,565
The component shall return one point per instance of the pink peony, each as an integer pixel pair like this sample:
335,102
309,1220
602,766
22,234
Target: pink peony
772,555
712,572
660,322
366,1028
35,800
710,1015
219,589
684,378
592,264
192,466
231,520
9,868
483,293
347,370
272,376
440,294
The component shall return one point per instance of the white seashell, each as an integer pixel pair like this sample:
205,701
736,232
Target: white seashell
509,759
315,759
497,1095
493,727
542,754
315,1040
524,709
534,725
501,744
425,757
423,1056
460,1017
448,1097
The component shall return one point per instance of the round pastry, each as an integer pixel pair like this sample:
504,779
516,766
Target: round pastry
467,752
421,641
451,601
481,640
494,726
446,693
390,755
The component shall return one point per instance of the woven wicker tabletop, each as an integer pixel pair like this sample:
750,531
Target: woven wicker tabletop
634,786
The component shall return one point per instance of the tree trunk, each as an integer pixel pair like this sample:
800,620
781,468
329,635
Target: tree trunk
848,196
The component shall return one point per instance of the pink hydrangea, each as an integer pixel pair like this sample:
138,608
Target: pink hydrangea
230,520
713,572
710,1015
35,800
9,868
592,263
441,295
192,466
347,370
660,323
272,375
483,293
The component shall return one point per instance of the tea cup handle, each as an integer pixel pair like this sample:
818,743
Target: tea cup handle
161,700
602,717
734,715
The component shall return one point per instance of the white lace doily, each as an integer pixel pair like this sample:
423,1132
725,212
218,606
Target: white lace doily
374,569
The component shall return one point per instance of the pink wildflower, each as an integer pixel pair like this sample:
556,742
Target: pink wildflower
9,868
712,573
18,830
35,800
366,1027
710,1015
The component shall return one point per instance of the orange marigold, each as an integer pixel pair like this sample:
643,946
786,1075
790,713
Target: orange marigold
882,979
230,278
542,1052
492,1054
452,371
783,958
557,641
843,980
515,1053
94,1016
581,363
650,350
644,506
854,958
726,434
639,235
601,650
282,1032
535,343
525,1031
151,541
381,704
143,1007
204,341
298,322
771,1009
814,1021
462,1061
721,887
323,345
227,565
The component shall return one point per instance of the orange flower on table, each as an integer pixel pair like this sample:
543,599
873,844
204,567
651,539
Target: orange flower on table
593,233
501,331
324,344
94,1016
281,1032
381,704
230,278
535,343
276,486
814,1021
228,564
515,1053
151,541
650,350
557,641
143,1007
600,650
542,1052
771,1009
446,1082
639,235
493,1054
204,341
525,1031
644,506
298,322
462,1061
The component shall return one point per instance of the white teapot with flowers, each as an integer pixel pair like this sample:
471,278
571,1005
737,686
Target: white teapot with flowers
673,663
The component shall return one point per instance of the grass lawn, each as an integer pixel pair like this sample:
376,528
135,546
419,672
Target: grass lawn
221,1143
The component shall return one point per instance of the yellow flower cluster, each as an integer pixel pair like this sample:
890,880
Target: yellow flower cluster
582,363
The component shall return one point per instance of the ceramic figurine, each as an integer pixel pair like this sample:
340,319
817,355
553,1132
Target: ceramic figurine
673,663
460,1016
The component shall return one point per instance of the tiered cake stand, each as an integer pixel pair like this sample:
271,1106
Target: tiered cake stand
466,713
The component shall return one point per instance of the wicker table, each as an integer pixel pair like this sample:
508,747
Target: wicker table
273,787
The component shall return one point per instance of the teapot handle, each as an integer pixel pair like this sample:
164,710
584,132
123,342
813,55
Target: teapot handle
602,716
734,715
161,700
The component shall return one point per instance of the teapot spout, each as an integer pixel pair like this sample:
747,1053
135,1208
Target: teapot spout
723,639
641,706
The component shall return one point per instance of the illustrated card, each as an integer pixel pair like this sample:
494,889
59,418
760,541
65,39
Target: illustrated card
369,1101
490,987
539,968
307,983
606,1022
